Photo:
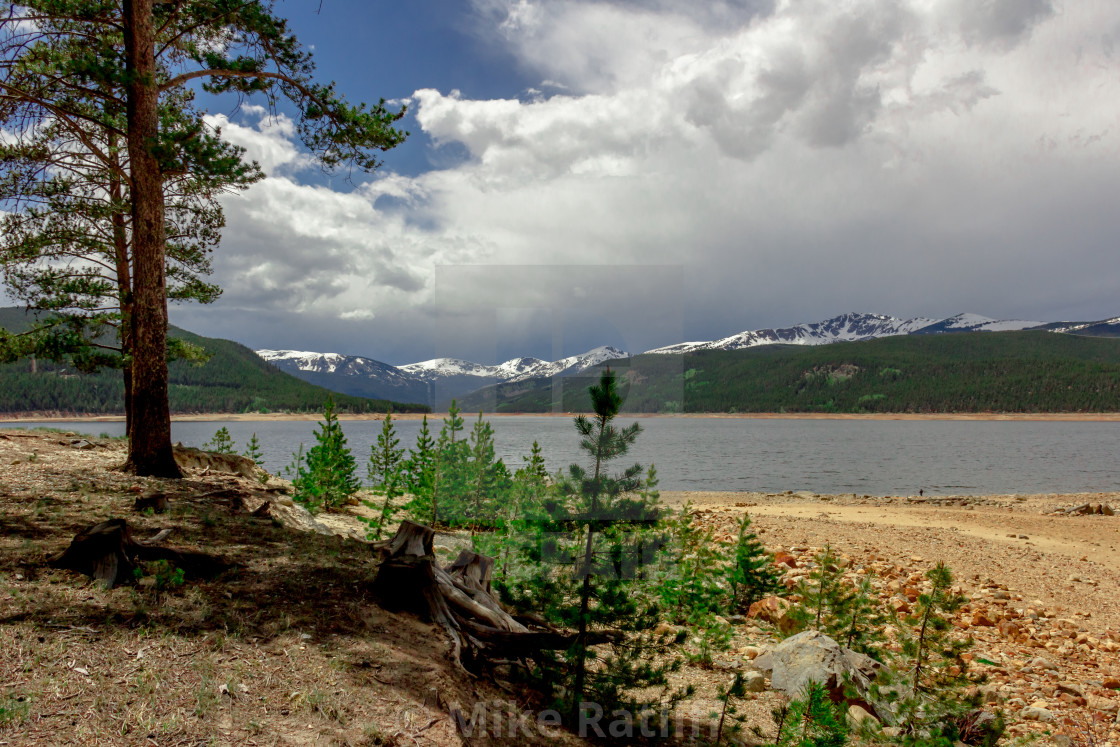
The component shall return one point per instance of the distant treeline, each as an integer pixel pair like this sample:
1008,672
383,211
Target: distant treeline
1023,372
234,380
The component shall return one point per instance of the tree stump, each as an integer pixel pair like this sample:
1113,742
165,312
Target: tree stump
459,600
108,553
157,502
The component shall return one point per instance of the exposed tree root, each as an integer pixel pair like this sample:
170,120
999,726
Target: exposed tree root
458,599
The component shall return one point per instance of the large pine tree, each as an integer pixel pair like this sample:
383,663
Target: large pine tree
58,56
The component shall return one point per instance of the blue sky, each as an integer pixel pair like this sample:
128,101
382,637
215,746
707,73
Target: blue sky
640,173
388,50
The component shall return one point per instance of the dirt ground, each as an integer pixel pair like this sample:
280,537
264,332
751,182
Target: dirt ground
1042,583
287,648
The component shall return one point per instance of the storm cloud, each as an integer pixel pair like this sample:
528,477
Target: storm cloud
739,166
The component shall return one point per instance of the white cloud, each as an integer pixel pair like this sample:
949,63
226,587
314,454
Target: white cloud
921,157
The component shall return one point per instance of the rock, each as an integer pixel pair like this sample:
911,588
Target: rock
754,682
784,558
1008,629
1070,687
813,657
991,694
858,714
1104,705
775,611
295,516
1033,713
981,619
1040,662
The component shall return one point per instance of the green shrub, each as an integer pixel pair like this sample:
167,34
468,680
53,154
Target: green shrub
221,443
752,576
386,475
327,475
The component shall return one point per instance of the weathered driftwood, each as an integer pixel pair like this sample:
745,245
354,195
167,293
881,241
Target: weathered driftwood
107,552
458,599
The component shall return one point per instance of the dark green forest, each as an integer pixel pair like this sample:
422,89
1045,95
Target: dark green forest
1015,372
234,379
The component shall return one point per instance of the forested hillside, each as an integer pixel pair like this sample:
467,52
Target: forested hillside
234,379
973,372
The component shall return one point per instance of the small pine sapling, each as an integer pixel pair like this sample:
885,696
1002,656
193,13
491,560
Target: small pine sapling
927,688
385,475
588,569
730,720
753,575
861,622
449,477
221,443
253,451
712,634
693,585
523,501
488,480
327,474
534,470
824,597
420,475
811,720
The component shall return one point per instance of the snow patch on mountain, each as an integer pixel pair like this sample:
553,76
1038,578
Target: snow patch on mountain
976,323
516,369
304,360
436,369
843,328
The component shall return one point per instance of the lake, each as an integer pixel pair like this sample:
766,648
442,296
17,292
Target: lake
875,457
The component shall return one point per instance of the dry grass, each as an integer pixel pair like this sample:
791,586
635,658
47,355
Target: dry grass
284,648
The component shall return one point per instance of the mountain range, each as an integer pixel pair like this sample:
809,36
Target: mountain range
435,382
232,379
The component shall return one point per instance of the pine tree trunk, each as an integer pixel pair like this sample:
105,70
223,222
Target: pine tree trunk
150,435
124,280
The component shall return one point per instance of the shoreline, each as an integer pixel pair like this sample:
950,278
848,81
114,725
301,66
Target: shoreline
1060,417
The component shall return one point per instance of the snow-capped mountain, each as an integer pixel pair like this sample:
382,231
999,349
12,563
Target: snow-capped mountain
432,381
1103,328
350,374
843,328
437,381
515,369
976,323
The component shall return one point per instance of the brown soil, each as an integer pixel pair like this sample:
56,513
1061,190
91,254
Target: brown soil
285,649
1013,555
288,648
